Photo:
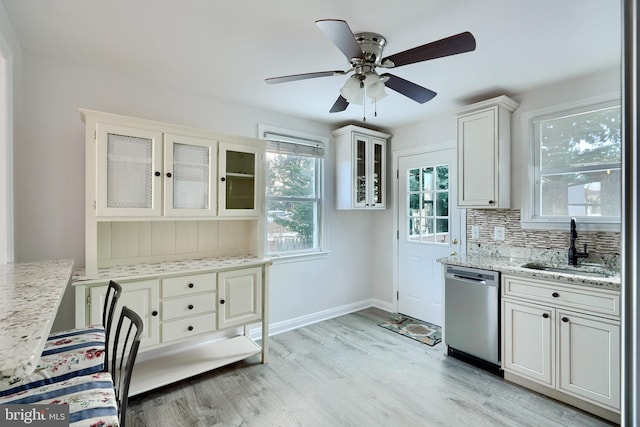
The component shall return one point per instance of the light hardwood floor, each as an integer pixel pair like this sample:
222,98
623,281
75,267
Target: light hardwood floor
348,371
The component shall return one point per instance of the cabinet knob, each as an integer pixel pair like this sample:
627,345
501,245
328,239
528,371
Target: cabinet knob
545,315
222,301
223,179
190,306
491,202
555,295
154,313
190,285
190,328
565,319
157,173
168,174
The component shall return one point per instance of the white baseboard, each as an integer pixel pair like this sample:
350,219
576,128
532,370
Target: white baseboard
255,331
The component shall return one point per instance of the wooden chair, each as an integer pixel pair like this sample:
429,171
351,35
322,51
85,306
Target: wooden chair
71,353
99,399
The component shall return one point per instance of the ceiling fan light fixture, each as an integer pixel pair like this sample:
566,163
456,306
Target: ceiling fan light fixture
374,86
353,90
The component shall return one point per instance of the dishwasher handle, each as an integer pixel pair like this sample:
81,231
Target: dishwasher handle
473,280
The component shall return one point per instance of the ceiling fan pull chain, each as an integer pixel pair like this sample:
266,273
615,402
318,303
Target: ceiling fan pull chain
364,102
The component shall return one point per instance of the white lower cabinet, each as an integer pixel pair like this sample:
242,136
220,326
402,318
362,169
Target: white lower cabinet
239,297
182,313
564,337
141,296
529,341
589,358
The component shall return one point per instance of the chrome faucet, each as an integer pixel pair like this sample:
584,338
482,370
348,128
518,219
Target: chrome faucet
573,252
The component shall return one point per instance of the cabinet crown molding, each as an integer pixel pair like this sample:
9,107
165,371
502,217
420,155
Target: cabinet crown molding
499,101
360,129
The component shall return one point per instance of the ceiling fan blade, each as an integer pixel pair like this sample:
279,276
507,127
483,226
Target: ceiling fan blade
460,43
407,88
342,36
295,77
341,104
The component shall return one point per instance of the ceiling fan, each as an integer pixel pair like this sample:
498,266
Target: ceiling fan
364,52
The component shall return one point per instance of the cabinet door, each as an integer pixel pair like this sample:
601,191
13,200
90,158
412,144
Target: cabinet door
589,364
377,167
360,169
128,171
189,174
238,189
141,297
239,297
477,159
529,341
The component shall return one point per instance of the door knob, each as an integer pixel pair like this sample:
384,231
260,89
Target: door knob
453,253
455,241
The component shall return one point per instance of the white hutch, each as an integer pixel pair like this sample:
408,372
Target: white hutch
175,215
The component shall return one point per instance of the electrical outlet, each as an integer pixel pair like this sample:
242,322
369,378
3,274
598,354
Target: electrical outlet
475,231
498,233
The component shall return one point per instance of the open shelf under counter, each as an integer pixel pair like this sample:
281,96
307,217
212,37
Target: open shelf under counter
203,357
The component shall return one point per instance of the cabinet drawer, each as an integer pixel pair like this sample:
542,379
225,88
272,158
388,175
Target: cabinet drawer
189,305
563,295
185,285
185,328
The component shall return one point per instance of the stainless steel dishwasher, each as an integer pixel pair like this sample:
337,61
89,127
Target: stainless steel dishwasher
472,315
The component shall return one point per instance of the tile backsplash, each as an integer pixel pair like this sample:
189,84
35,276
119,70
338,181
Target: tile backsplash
600,245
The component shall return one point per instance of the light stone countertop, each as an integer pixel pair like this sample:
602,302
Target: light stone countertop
139,271
30,294
513,265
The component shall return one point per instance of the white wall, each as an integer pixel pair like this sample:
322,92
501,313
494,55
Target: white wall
49,180
10,62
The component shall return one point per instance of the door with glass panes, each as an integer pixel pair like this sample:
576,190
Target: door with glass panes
429,227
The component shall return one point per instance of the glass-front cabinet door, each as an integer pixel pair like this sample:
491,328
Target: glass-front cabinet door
239,172
360,185
189,174
369,170
129,181
377,173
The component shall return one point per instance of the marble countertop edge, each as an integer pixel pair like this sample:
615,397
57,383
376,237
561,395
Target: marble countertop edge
168,268
512,265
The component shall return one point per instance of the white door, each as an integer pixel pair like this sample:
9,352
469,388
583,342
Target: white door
429,227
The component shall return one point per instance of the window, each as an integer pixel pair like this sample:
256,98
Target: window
577,164
293,194
428,204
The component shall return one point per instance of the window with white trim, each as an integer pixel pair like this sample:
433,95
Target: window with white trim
577,164
293,194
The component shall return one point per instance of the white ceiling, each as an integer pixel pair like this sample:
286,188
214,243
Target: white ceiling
227,48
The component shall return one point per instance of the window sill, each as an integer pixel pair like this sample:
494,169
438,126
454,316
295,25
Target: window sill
297,257
563,225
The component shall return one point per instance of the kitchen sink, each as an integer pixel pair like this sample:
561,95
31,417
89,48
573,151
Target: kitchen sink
580,271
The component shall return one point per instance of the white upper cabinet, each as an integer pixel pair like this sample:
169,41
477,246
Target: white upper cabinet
484,154
360,168
129,163
149,170
238,184
189,174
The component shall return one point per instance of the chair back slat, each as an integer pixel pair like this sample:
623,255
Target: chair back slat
122,363
114,290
